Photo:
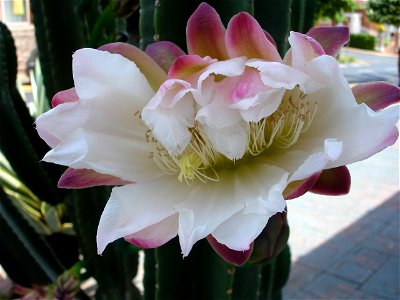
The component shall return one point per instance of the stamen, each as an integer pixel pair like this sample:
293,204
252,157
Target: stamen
283,128
200,161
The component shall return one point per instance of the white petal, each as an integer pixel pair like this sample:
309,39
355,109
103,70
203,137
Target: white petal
57,123
132,208
105,120
303,49
231,141
318,161
230,68
207,207
157,234
361,130
279,75
217,115
260,187
111,77
169,114
126,158
305,158
262,105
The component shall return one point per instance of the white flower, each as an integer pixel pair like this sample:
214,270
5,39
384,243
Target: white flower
214,148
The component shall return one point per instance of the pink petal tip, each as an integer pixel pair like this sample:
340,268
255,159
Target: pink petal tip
205,33
333,182
377,95
164,53
237,258
69,95
332,39
83,178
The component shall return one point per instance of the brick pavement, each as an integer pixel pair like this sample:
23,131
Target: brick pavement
347,247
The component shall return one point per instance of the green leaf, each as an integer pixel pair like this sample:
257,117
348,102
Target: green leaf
39,260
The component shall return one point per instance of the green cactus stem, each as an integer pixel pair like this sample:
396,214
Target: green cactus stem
20,143
274,17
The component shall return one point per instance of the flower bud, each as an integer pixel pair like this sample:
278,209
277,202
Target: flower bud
271,240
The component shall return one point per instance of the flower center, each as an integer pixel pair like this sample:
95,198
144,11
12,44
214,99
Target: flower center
280,130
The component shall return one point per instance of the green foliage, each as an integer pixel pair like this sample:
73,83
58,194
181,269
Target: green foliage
27,251
333,9
362,41
40,102
384,11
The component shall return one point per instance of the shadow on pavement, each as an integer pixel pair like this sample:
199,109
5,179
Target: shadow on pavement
360,262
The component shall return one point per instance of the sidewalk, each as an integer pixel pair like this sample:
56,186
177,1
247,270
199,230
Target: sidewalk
347,247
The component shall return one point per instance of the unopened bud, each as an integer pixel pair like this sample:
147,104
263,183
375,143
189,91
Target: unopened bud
271,240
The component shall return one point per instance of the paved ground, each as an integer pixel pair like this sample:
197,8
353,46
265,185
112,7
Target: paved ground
348,247
370,66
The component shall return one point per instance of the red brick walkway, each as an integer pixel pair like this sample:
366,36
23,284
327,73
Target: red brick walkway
348,247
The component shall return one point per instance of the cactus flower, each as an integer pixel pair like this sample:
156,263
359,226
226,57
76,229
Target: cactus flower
211,144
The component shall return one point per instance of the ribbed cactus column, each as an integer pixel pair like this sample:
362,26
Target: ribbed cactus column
201,275
146,23
59,32
18,139
274,17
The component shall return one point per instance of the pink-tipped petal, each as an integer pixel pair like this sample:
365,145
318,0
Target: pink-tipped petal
333,182
83,178
69,95
390,139
377,95
164,53
270,38
155,235
298,188
188,67
205,33
332,39
154,74
245,37
303,49
237,258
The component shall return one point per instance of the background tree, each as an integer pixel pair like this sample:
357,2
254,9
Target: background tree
333,9
384,11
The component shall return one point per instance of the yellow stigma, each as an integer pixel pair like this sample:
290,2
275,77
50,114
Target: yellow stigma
189,163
